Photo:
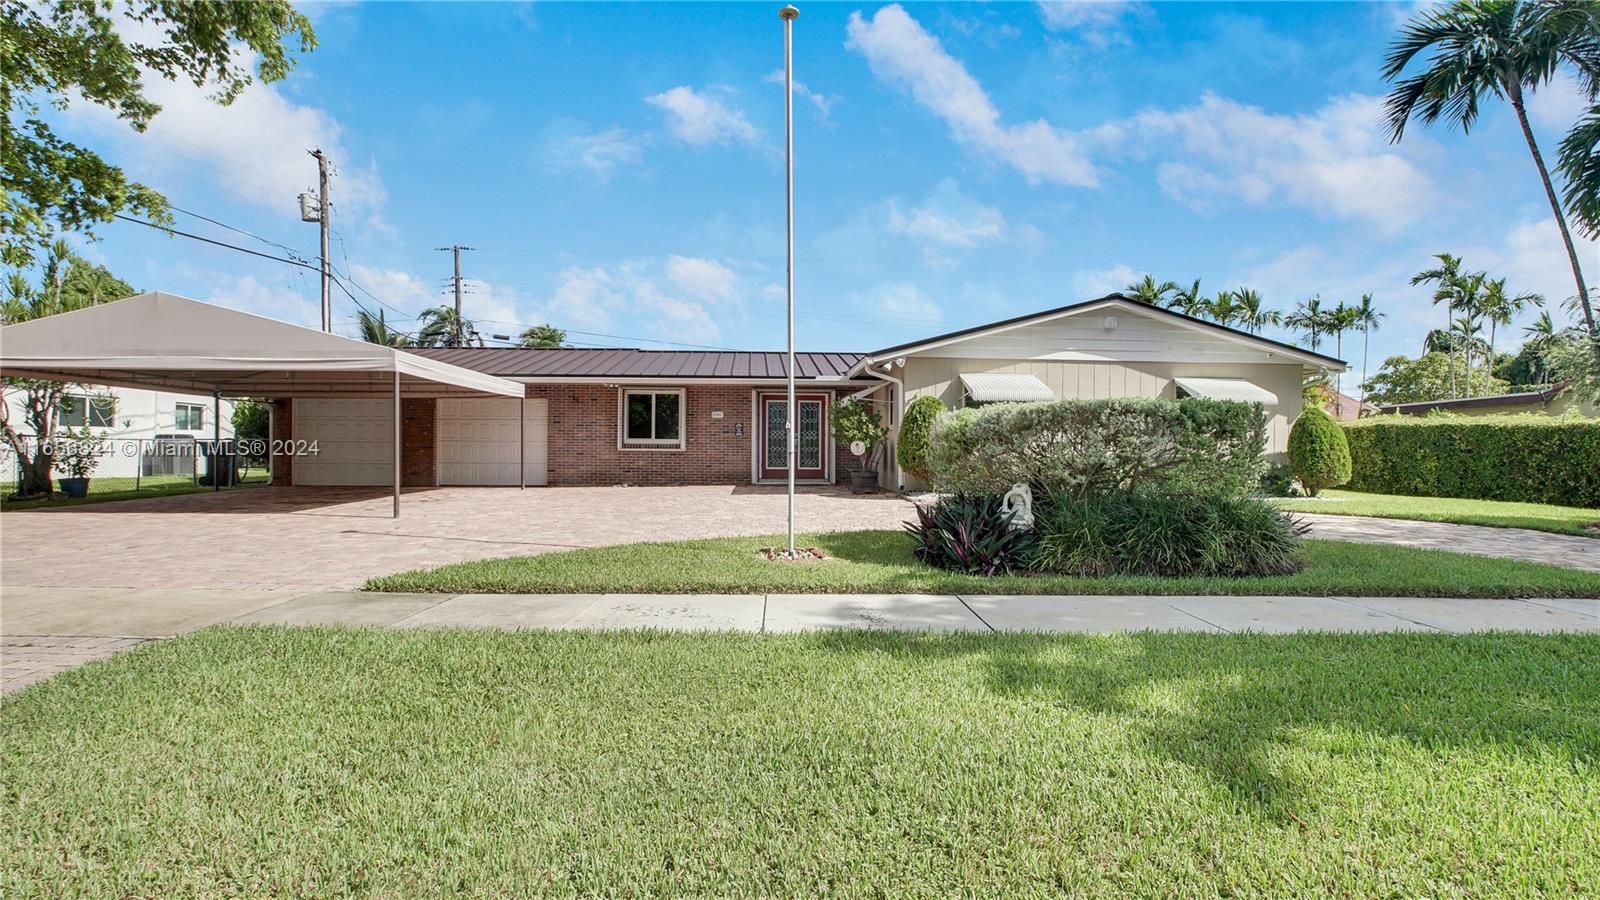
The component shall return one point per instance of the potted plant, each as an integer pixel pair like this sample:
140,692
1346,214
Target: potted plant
857,427
77,454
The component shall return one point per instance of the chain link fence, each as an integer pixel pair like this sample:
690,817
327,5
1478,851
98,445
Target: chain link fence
170,464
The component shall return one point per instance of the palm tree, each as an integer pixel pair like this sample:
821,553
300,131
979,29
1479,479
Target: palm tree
1366,321
1499,308
1251,314
1221,309
1497,48
374,330
1188,301
1447,277
1309,317
1340,319
442,326
1146,290
545,336
1540,337
1579,163
1467,331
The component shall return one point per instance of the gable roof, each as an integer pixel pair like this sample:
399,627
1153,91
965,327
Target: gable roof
1109,300
619,362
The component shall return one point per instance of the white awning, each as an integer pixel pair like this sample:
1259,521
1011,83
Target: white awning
162,341
992,388
1227,389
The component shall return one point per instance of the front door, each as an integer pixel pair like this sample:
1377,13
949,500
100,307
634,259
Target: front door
812,433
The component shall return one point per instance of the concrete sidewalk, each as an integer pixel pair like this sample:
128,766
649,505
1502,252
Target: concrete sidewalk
47,630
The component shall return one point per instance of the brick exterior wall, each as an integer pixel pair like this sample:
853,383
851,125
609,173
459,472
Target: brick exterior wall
582,423
418,442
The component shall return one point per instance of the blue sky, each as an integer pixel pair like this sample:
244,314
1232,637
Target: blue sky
619,167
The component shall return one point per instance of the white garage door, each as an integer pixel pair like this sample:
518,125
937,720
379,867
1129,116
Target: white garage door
478,441
355,441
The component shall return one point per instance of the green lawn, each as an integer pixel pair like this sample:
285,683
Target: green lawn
1498,513
881,562
335,762
110,490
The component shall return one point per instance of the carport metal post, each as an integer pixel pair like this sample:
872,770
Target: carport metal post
396,514
216,439
522,441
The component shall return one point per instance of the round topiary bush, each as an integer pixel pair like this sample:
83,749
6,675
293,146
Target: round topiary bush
913,447
1319,455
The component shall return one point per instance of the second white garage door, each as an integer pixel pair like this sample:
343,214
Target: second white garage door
354,441
478,441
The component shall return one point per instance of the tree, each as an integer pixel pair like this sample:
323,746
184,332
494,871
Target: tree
1402,379
1319,453
1446,277
442,326
374,330
1340,319
544,336
1579,162
1499,307
1222,309
1537,342
1309,317
1251,313
1189,300
67,283
66,50
1504,49
913,447
1467,334
1366,320
1146,290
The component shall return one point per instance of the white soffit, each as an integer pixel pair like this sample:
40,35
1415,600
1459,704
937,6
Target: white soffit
1227,389
993,388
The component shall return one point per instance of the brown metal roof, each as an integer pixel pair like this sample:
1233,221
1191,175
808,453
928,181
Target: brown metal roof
631,363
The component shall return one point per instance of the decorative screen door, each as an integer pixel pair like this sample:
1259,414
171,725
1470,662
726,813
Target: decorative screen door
811,433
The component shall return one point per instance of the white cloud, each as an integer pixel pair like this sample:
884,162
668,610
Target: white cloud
599,153
1334,160
1097,283
898,300
1532,258
702,118
1558,105
901,52
823,103
704,279
249,294
1096,21
948,218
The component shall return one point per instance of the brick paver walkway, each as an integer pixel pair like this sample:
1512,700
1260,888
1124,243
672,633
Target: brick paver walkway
1508,543
26,658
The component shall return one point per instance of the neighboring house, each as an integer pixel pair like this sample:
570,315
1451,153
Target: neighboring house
1346,408
668,417
130,414
1556,400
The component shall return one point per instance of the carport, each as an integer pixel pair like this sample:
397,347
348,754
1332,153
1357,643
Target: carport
159,341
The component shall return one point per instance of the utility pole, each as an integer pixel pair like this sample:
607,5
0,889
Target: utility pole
455,251
322,216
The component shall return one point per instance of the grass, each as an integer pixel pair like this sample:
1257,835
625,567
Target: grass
111,490
881,562
1496,513
336,762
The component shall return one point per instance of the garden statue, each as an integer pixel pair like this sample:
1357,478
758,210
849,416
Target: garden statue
1018,504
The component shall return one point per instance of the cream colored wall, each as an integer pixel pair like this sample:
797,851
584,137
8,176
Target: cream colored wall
938,377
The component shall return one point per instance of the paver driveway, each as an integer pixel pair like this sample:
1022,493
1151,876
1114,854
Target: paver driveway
336,538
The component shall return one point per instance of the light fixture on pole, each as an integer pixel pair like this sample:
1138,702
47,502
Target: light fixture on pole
788,14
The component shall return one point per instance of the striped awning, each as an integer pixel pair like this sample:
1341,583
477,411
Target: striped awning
1227,389
993,388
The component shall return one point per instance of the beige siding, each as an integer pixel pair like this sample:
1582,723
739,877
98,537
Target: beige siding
938,377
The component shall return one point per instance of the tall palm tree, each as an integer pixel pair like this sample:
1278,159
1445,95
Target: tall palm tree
442,326
374,330
1252,314
1446,277
1505,49
1499,308
1189,300
1540,337
1146,290
1340,319
1366,321
1579,162
1311,318
1222,309
1467,331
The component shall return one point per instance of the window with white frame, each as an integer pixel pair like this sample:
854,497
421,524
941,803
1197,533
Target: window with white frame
77,410
189,417
652,418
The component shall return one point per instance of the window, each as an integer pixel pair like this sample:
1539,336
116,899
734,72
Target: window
189,417
77,410
652,419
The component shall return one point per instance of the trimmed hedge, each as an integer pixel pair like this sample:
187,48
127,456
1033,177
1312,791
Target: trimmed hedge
912,450
1528,458
1319,455
1086,447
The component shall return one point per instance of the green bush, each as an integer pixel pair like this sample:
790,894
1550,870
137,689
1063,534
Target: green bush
1086,447
912,449
1277,481
1528,458
853,420
971,534
1319,457
1173,535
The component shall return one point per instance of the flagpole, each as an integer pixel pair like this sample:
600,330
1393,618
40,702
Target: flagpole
789,14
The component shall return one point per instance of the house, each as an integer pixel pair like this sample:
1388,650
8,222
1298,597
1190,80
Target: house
131,414
1344,407
349,413
1555,400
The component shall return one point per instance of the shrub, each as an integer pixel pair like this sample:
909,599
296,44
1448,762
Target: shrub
912,448
1172,535
1530,458
972,534
1086,447
1276,481
853,420
1318,453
